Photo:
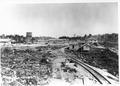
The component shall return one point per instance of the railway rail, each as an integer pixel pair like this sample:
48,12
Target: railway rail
98,76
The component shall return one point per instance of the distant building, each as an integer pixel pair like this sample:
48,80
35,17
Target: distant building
28,37
75,45
28,34
92,40
86,47
5,41
90,45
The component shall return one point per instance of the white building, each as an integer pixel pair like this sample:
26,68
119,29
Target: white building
92,40
5,41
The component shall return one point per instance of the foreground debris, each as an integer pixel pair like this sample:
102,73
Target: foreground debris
41,66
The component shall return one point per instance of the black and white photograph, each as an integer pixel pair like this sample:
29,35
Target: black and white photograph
59,44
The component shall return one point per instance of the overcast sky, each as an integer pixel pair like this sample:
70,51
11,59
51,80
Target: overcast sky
58,19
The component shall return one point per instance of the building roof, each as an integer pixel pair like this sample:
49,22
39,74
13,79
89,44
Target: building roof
92,45
92,38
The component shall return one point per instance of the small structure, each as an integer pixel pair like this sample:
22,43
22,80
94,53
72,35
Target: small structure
75,45
92,40
85,47
90,46
5,41
29,37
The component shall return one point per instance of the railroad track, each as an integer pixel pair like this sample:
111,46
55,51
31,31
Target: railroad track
99,77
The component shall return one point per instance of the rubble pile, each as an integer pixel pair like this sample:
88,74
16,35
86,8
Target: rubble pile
27,66
46,65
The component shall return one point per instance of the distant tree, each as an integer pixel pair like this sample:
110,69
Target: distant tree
89,35
64,37
85,36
